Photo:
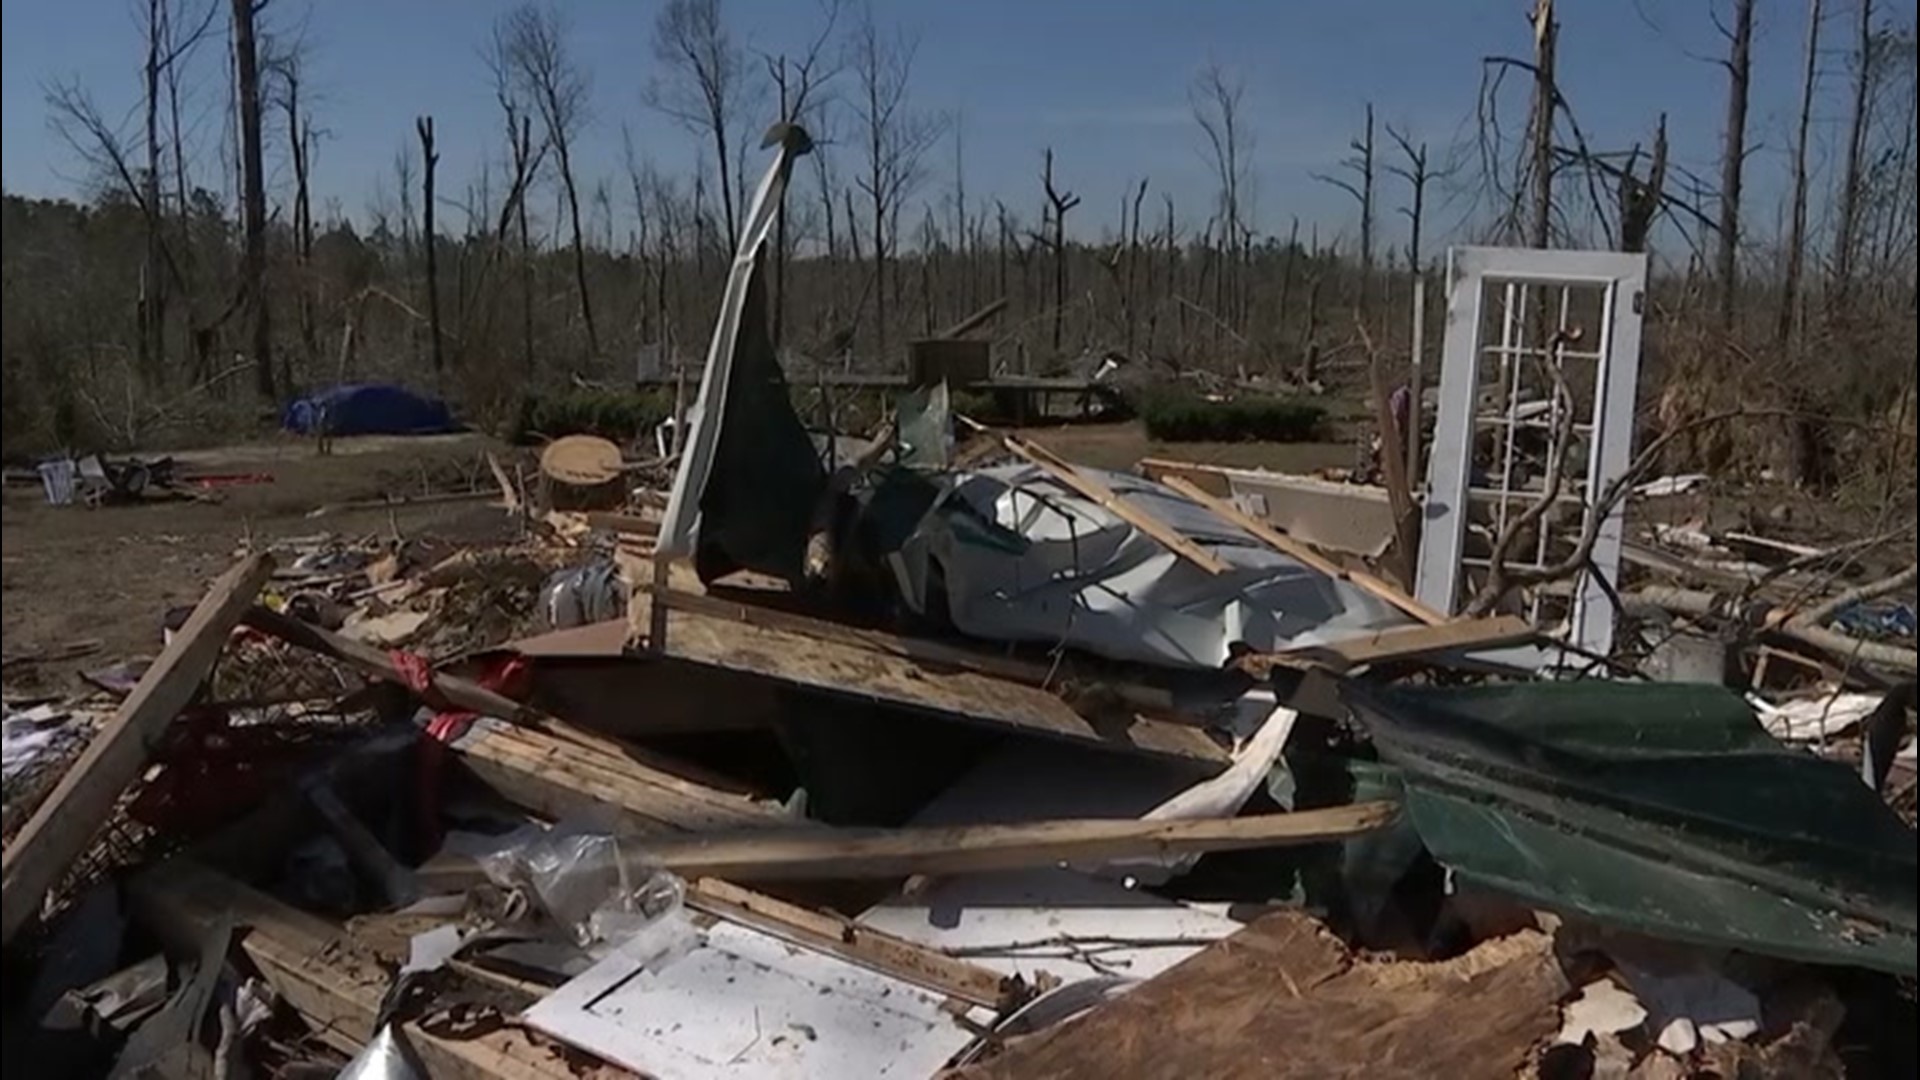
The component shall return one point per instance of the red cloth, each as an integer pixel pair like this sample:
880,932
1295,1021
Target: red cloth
510,676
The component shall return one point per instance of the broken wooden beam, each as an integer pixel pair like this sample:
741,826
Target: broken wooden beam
59,831
1300,552
1413,642
848,940
557,778
843,670
829,854
924,650
1110,500
451,689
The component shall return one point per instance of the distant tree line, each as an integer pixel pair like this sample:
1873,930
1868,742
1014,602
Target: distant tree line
197,285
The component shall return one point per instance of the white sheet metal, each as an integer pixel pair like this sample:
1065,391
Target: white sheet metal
1089,579
743,1004
681,522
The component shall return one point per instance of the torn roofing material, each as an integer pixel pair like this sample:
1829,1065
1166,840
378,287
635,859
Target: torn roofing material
1665,809
748,480
1023,558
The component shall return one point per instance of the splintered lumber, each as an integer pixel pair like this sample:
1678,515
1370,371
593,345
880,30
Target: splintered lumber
557,777
850,941
826,854
1417,641
920,649
1300,552
59,831
452,689
1110,500
845,670
319,971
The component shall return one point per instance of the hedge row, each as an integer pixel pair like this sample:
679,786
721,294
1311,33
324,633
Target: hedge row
620,415
1175,417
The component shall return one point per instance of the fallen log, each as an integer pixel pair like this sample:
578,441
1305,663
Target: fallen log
1761,616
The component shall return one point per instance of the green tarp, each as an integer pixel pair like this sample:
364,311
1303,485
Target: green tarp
1660,808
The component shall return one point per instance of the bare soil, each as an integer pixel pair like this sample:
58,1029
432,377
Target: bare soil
110,574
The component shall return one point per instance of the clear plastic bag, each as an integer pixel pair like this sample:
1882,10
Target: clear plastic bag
597,887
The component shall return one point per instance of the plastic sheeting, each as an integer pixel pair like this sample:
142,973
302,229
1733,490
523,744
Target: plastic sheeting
1016,556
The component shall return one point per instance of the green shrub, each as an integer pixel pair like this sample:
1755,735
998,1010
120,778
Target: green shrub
1183,417
620,415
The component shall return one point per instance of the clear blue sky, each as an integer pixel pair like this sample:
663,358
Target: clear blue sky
1103,83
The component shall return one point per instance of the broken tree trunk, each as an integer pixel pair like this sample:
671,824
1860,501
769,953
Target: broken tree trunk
59,831
1780,621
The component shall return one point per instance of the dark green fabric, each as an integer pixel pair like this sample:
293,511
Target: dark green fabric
759,502
1661,808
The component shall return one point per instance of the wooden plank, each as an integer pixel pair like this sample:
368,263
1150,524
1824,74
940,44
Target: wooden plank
818,854
1412,642
451,689
1301,553
921,649
557,778
843,670
317,969
1110,500
848,940
1213,479
59,831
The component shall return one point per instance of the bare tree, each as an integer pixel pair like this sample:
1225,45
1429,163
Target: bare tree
254,193
1641,200
1418,174
795,82
895,139
429,237
532,42
1058,204
1789,315
1846,237
1216,97
301,140
1546,104
1361,187
1733,157
703,88
153,291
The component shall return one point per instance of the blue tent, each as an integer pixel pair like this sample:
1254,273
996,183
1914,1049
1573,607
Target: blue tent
368,409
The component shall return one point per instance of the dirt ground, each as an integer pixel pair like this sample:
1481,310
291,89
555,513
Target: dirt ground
110,574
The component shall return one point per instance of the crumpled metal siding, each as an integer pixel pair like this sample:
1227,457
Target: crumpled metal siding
1664,809
1026,559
